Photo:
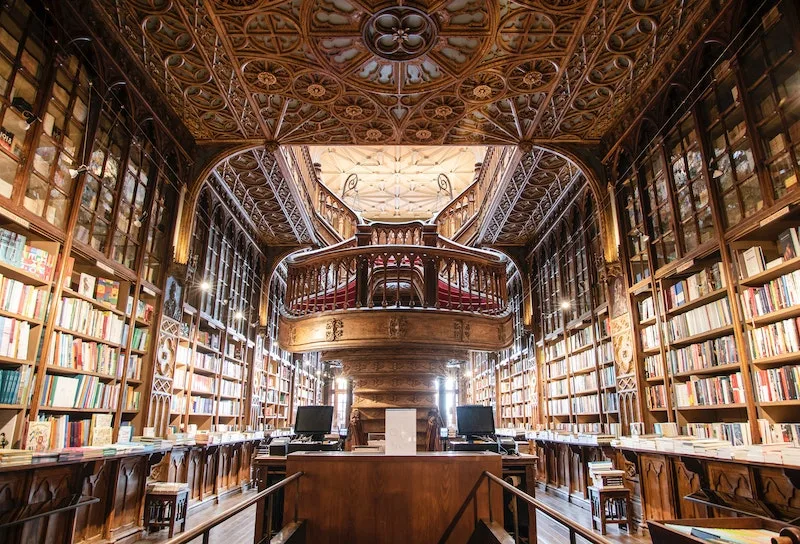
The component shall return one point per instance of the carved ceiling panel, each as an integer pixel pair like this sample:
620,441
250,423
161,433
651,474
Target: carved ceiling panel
254,179
426,72
540,181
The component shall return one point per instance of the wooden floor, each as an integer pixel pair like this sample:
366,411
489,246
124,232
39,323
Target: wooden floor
550,532
239,529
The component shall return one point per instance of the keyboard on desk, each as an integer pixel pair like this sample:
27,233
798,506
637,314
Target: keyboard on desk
474,446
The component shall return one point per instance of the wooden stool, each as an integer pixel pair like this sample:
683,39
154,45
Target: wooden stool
611,505
165,505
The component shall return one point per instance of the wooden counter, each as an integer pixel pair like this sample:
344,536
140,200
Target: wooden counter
389,499
119,482
269,469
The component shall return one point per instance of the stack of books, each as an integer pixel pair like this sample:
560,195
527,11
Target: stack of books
605,479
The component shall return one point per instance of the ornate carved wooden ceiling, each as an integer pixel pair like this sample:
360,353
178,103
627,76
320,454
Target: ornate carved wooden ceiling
427,72
398,182
344,72
540,180
254,179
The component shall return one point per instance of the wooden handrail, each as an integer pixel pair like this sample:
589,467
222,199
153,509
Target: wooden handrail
344,249
203,529
573,527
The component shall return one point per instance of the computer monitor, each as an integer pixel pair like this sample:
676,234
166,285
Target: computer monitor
315,421
475,420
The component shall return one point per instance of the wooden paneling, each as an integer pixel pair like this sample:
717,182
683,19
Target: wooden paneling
389,499
657,487
687,481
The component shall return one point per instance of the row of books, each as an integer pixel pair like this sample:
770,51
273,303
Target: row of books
606,352
201,405
580,338
230,389
653,367
715,390
139,340
582,360
144,310
82,317
231,369
557,387
774,339
717,352
558,349
207,361
558,407
737,433
697,285
777,384
16,252
752,261
68,351
647,309
14,337
557,368
706,318
656,396
608,376
610,402
779,433
207,338
780,293
587,404
79,392
649,336
584,382
14,385
22,299
203,384
134,368
132,399
228,407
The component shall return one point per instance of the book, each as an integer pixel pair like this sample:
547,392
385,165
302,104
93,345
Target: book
753,260
107,291
38,438
786,245
86,284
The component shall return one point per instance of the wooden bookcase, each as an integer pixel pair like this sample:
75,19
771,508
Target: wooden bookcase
718,181
572,333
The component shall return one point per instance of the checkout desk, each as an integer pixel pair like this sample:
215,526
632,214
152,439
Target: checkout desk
430,486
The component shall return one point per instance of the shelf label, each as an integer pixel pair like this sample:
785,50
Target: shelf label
783,211
105,267
685,266
15,218
148,291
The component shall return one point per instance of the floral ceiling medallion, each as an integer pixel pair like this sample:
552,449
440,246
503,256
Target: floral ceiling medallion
400,33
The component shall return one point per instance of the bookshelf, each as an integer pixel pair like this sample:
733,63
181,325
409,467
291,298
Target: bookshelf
573,337
715,306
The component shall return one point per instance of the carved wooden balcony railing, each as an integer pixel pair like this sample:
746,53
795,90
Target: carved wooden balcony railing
396,276
412,233
336,214
458,212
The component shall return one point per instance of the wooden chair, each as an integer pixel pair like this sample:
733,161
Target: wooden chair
611,505
165,506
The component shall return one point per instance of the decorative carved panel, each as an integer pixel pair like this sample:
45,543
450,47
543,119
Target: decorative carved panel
656,480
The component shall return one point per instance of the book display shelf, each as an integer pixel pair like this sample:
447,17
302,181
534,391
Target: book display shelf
711,247
573,333
517,370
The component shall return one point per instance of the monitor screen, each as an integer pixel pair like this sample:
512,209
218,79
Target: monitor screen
313,420
475,420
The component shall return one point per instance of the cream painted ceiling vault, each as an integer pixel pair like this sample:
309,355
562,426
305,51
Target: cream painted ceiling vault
452,72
